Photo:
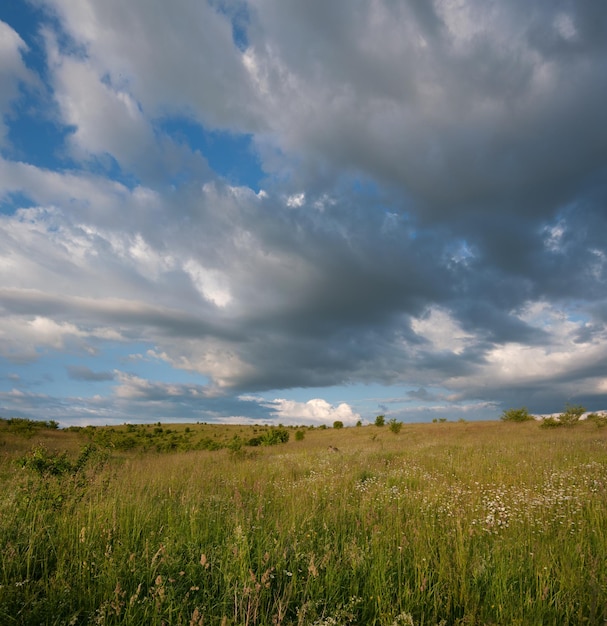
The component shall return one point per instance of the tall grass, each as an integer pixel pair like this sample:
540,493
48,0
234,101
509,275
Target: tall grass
490,523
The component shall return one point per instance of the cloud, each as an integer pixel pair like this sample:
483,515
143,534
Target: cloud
13,73
194,69
81,372
432,215
449,95
315,411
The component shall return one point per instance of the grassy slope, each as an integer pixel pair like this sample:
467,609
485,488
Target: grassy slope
469,523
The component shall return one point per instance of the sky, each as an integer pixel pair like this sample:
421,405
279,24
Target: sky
275,211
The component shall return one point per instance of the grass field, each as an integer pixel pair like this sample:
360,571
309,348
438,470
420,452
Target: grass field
450,523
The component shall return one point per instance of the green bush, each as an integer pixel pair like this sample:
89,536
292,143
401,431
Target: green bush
550,422
338,424
27,427
599,419
45,463
299,435
275,436
516,415
395,426
572,415
380,420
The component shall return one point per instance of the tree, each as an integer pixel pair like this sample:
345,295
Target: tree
338,424
516,415
380,420
572,415
395,426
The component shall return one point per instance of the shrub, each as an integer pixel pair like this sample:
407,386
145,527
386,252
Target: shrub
600,419
516,415
380,420
572,415
299,435
235,447
395,426
45,463
27,427
338,424
550,422
208,443
274,436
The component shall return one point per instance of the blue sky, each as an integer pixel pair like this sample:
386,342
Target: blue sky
301,212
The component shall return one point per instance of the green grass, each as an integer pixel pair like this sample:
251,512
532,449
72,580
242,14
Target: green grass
451,523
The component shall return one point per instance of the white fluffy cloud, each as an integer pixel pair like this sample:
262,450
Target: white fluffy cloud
315,411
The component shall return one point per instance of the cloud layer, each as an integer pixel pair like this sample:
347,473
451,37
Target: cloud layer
431,216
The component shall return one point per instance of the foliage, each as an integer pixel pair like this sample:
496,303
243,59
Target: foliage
274,436
299,435
600,419
338,424
516,415
550,422
571,415
45,463
395,426
26,427
380,420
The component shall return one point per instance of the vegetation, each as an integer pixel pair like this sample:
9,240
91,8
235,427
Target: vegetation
517,415
395,426
570,417
469,523
600,419
380,420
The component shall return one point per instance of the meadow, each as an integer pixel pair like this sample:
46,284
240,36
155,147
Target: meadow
438,524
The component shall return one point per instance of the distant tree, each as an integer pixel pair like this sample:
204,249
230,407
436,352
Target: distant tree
572,415
516,415
338,424
395,426
380,420
359,423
